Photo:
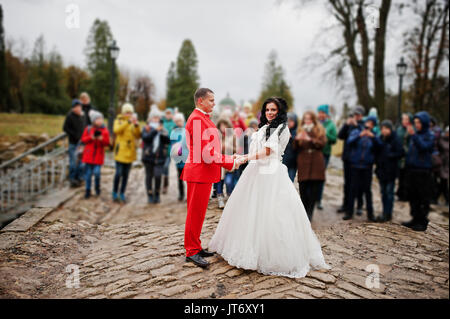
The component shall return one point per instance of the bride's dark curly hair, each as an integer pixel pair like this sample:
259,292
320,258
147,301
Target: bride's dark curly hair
280,119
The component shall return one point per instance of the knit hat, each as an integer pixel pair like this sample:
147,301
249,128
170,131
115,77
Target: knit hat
253,122
76,102
359,110
169,109
388,124
372,119
292,116
247,105
373,112
154,113
127,108
324,108
94,115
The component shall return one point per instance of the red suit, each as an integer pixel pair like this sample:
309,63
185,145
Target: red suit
202,169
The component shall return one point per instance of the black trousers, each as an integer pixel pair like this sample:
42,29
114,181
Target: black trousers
348,186
153,172
443,188
402,191
361,184
309,193
180,183
419,183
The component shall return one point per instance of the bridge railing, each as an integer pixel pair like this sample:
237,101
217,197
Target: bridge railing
21,182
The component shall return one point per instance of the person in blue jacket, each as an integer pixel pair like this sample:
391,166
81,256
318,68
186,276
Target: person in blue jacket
363,145
419,171
154,153
387,167
355,121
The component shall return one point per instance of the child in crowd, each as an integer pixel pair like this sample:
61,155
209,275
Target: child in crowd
95,138
387,170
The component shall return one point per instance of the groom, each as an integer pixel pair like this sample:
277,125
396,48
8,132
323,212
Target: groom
202,169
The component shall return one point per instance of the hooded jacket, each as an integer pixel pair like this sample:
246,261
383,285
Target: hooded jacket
125,143
421,145
344,134
363,149
387,158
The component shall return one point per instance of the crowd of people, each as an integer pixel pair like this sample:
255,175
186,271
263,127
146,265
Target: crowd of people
415,153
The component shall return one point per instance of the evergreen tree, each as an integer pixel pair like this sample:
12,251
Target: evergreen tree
77,80
45,84
274,83
99,65
182,86
170,84
4,91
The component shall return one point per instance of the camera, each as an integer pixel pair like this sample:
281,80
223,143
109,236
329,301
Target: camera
97,133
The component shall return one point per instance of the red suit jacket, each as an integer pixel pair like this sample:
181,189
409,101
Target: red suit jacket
205,158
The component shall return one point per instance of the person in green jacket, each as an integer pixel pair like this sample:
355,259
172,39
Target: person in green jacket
169,125
331,132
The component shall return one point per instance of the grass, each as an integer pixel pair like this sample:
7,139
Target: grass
13,124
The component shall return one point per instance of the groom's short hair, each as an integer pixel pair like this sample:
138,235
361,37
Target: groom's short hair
201,93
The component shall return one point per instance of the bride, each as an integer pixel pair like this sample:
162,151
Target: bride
264,226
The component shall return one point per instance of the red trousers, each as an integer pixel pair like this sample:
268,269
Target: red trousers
197,202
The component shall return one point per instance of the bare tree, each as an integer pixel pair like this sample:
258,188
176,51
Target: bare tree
361,48
427,46
142,95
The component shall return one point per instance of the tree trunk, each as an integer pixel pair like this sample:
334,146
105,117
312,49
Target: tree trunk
380,49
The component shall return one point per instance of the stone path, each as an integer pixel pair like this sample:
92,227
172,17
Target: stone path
136,251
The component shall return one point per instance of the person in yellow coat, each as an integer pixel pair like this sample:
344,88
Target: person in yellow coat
249,113
127,132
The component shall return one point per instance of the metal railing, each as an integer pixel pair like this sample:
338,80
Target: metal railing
22,182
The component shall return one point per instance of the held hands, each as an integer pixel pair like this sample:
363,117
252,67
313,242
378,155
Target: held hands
240,159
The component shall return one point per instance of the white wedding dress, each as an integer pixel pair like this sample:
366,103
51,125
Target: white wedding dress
264,225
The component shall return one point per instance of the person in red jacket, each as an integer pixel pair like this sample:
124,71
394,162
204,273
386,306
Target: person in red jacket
95,138
202,169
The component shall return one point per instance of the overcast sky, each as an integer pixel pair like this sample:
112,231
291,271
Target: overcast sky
232,39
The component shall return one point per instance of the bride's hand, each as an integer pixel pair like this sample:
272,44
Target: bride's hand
241,159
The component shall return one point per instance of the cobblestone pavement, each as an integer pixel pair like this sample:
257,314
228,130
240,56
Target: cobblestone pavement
136,251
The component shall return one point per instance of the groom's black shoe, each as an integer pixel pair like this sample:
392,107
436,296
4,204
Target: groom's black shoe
198,260
204,253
